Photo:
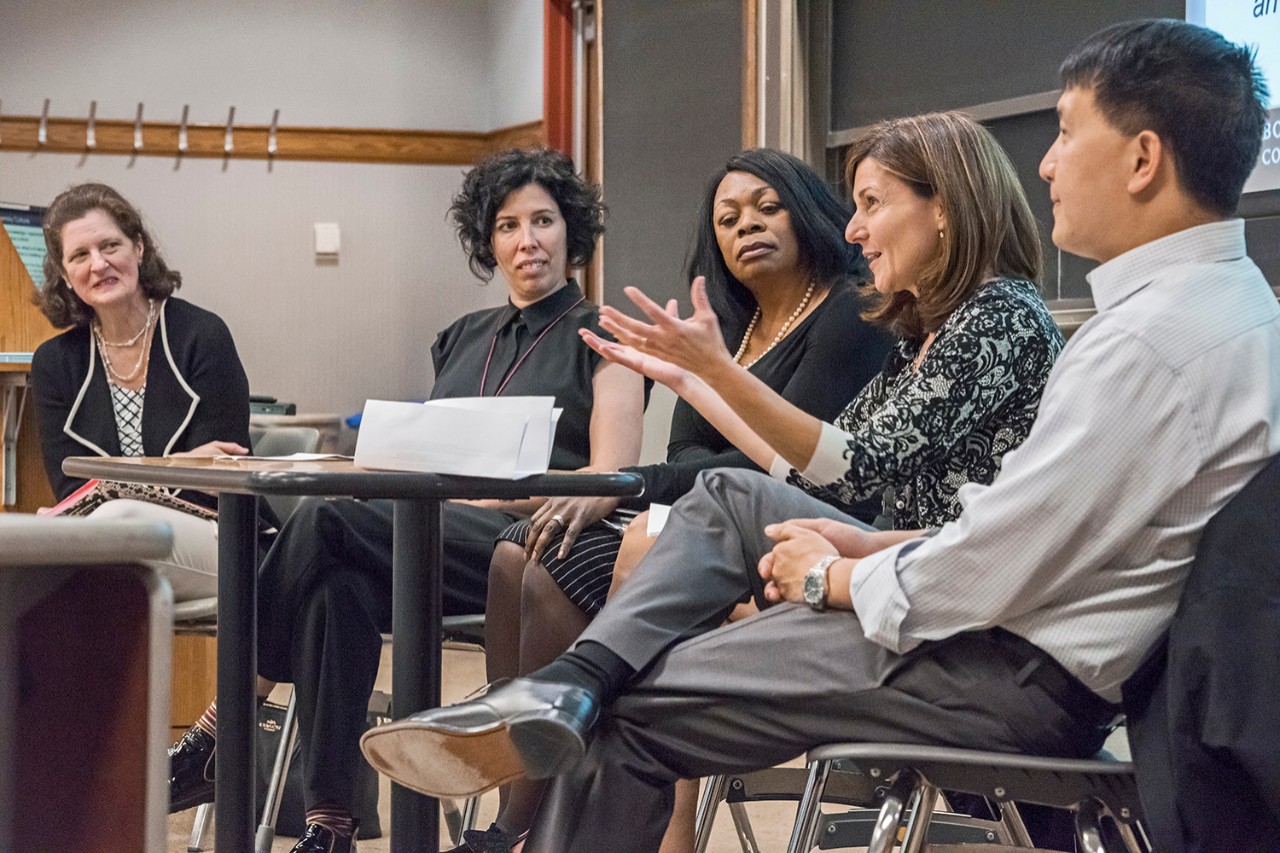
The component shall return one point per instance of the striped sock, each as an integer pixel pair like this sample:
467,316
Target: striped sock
333,818
208,722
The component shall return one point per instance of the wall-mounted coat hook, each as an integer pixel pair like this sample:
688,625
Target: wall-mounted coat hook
90,128
42,135
137,130
229,141
1,116
272,147
182,129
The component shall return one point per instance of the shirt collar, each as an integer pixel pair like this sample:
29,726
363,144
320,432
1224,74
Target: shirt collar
1124,275
544,312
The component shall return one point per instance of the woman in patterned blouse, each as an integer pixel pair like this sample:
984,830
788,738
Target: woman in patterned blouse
954,251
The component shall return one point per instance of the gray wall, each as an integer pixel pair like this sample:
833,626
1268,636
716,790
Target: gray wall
325,336
672,116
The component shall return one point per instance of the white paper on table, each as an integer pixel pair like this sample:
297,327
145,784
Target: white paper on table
540,435
503,437
657,518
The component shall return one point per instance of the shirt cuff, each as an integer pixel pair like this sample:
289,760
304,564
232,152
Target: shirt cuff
829,463
780,469
878,598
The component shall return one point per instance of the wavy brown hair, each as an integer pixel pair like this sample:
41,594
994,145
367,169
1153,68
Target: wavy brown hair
990,229
56,299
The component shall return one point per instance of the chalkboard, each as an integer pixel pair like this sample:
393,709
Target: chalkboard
892,58
672,116
901,57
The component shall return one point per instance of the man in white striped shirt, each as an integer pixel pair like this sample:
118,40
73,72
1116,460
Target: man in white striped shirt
1013,627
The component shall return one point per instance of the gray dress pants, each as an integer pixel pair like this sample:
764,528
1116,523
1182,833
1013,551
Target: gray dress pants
761,691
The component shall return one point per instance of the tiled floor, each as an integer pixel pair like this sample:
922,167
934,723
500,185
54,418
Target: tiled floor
463,673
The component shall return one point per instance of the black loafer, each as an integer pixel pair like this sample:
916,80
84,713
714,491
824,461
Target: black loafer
317,839
535,729
191,765
491,840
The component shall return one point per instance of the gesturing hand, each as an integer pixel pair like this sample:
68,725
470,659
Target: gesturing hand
693,344
784,568
569,516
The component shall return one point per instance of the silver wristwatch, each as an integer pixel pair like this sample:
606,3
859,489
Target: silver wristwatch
815,582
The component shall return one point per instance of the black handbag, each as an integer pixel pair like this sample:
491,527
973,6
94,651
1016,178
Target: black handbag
292,820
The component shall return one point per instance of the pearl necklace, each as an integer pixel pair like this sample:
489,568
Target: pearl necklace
782,333
103,343
151,315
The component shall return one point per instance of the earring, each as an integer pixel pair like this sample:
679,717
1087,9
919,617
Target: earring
939,233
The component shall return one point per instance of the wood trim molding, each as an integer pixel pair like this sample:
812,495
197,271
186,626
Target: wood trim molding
332,144
557,74
750,73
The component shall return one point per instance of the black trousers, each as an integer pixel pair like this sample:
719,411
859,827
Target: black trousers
757,692
324,603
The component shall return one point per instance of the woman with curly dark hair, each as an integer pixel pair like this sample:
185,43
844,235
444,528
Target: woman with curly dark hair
138,373
325,587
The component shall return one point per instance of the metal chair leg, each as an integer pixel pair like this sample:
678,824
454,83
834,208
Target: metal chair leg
742,823
1011,818
712,793
1089,826
807,813
902,791
1130,838
279,773
470,811
199,828
918,825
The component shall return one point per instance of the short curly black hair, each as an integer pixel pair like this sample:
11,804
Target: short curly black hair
56,299
487,186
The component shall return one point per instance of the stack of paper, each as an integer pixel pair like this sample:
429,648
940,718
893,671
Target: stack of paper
503,437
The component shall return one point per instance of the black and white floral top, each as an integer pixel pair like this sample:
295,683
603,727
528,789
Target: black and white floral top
917,436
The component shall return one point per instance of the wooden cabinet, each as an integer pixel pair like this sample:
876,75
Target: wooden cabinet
22,329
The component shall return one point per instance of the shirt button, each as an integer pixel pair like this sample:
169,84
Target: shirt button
901,504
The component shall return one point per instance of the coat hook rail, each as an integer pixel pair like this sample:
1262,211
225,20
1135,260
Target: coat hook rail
229,142
137,130
184,141
272,147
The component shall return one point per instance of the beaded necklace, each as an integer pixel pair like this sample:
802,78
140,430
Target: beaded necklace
103,344
782,333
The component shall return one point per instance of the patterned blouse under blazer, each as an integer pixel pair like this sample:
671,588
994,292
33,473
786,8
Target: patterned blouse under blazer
917,436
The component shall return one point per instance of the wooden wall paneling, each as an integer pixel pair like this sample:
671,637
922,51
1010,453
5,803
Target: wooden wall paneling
331,144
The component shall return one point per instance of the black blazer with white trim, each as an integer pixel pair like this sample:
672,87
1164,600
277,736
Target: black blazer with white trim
197,392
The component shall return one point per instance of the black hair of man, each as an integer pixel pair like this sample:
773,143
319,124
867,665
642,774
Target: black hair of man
1201,94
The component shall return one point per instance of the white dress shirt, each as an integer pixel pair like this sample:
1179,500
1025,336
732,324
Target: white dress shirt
1159,410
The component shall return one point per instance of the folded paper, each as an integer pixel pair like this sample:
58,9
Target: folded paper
502,437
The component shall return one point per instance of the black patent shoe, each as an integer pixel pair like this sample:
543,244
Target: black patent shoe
318,839
191,764
524,728
491,840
